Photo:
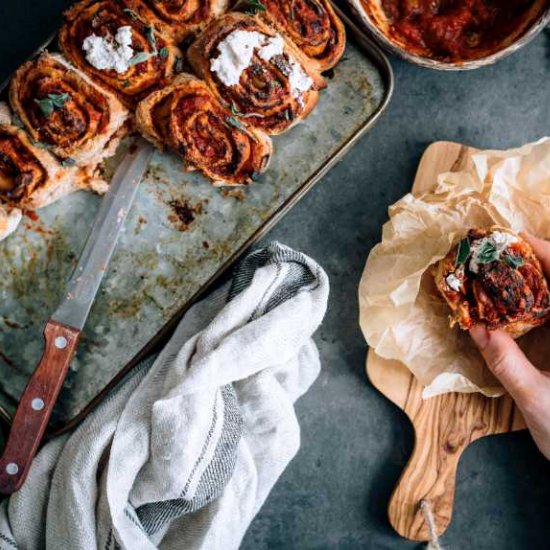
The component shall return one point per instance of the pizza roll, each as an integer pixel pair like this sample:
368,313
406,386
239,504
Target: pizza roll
492,276
312,25
255,72
117,48
187,118
61,108
178,18
31,177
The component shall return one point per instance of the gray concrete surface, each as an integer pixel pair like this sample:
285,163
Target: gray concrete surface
355,443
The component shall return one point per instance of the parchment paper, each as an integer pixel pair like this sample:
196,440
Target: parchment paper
401,313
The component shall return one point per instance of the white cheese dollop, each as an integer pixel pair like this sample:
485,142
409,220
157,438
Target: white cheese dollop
107,54
453,282
236,52
501,241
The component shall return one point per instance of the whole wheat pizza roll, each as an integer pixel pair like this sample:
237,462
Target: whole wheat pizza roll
255,72
312,25
118,49
63,109
31,177
178,18
492,276
187,118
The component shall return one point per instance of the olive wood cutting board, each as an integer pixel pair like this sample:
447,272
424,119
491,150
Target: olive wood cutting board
444,425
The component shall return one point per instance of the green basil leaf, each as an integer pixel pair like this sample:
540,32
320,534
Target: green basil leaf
463,252
255,6
232,121
488,253
59,100
46,106
140,57
514,261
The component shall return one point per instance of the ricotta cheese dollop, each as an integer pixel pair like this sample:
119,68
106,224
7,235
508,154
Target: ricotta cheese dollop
236,52
108,53
500,241
453,282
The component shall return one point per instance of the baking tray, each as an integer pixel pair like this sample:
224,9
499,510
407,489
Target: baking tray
180,236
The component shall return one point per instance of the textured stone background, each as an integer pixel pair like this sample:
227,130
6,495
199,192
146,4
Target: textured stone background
355,443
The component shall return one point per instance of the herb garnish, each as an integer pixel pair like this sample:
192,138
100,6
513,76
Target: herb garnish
163,52
140,57
463,252
126,83
236,112
68,162
150,34
488,253
514,261
54,101
133,15
255,6
232,121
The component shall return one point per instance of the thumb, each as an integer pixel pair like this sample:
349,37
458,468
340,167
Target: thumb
507,362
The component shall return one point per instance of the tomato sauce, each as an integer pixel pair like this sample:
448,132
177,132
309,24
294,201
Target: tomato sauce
454,30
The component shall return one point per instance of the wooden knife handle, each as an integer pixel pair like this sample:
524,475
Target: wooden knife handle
36,404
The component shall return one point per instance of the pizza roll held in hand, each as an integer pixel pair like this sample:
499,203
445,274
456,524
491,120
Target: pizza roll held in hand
493,277
187,118
255,72
312,25
114,46
178,18
61,108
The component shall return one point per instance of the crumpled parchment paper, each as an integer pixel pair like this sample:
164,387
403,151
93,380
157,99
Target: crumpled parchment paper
401,313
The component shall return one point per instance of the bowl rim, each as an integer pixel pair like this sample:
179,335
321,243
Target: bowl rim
424,61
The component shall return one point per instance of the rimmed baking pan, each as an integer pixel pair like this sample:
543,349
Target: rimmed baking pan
181,235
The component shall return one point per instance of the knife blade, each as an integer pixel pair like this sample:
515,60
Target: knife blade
62,331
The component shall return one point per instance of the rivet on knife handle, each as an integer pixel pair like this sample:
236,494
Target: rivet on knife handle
36,404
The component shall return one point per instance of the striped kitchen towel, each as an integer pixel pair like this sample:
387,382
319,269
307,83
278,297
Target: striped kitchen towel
185,451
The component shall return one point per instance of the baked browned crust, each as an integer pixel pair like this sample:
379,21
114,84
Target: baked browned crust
84,127
30,177
509,293
103,18
312,25
263,95
178,18
187,118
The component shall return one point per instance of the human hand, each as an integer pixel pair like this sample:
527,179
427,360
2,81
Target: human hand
528,386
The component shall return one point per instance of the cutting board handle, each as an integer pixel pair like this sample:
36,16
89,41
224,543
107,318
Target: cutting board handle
441,435
36,405
444,426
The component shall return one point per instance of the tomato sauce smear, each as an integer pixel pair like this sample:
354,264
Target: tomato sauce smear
454,30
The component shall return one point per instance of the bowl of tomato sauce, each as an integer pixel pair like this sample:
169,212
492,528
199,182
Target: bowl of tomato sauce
453,34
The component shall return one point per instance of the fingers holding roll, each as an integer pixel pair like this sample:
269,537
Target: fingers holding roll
507,362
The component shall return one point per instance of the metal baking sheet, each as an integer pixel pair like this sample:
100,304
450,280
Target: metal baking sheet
179,236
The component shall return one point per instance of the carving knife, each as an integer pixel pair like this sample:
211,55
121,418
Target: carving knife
63,329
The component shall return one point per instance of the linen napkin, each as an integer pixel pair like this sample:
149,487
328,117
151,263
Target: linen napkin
185,451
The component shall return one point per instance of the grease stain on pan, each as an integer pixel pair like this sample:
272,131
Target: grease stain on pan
159,264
